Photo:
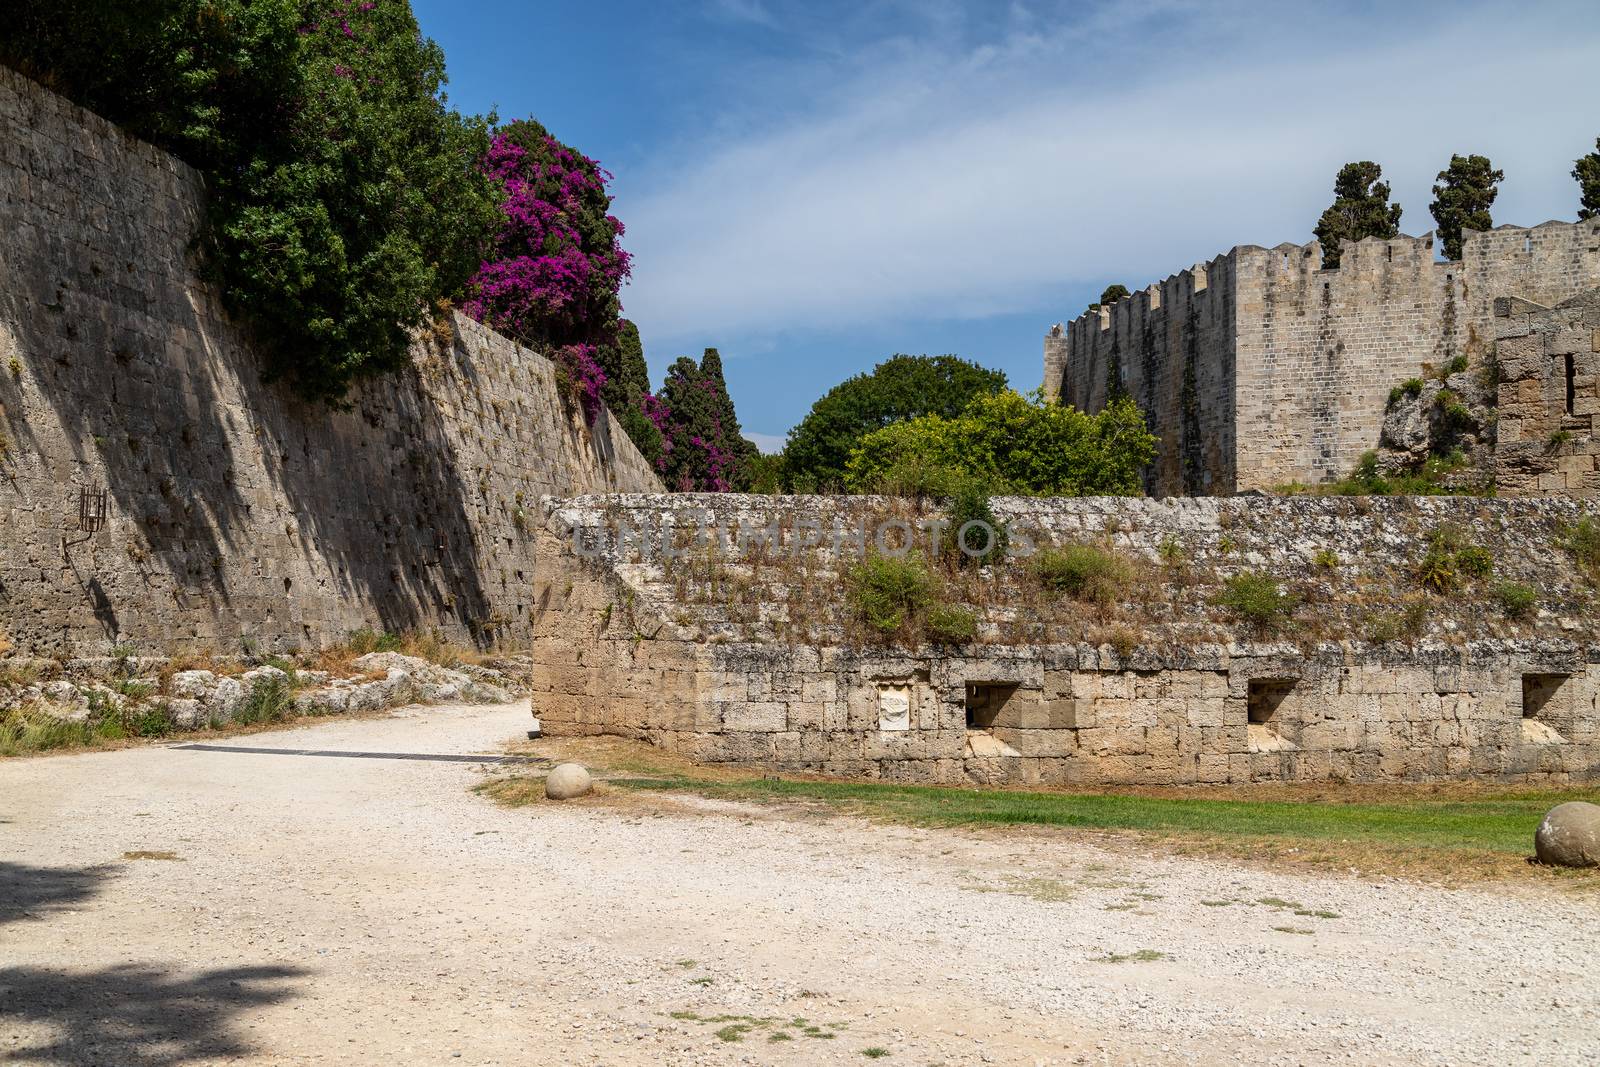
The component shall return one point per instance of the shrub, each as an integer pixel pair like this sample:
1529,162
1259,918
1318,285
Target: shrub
1256,600
1517,599
1448,558
951,625
888,593
1083,572
1325,558
970,504
1409,387
1558,439
914,476
1455,366
1410,622
1171,551
1019,444
1474,561
1583,541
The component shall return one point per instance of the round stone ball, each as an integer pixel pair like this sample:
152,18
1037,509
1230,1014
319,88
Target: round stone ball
1569,836
568,780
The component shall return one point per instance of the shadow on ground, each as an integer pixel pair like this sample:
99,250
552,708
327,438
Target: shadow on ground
36,892
134,1015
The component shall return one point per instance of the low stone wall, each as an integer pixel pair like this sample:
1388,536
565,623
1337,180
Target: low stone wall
624,648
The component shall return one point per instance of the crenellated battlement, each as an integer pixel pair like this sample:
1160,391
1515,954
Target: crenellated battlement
1261,366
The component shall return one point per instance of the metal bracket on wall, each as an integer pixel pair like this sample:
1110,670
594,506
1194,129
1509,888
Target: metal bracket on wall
91,510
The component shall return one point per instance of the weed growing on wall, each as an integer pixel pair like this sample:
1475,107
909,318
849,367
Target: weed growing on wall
1257,600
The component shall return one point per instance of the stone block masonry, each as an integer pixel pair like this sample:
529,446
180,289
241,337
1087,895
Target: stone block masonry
232,512
707,654
1549,408
1260,368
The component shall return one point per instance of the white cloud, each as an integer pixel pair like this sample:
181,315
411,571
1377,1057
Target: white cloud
947,176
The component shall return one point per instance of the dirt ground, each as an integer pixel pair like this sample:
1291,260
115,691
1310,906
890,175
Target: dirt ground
168,905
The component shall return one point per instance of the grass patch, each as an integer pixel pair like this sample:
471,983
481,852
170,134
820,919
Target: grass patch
1084,572
1144,955
1496,823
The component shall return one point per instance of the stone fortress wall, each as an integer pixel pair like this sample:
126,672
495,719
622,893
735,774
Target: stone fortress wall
625,647
1260,368
1549,397
233,512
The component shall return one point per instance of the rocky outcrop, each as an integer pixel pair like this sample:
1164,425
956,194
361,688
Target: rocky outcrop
195,699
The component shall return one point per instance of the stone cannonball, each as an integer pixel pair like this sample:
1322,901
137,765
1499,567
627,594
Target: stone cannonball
1569,836
568,780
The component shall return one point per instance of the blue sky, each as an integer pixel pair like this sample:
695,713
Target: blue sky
814,186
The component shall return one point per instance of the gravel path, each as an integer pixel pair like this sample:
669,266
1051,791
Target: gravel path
323,909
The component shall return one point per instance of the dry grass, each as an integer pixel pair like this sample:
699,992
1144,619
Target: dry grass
429,645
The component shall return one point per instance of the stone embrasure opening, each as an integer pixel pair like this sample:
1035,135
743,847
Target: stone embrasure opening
985,702
1265,695
1263,698
1545,699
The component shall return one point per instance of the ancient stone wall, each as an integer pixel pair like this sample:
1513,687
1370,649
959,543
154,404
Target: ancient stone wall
1549,370
710,659
232,512
1300,367
1170,347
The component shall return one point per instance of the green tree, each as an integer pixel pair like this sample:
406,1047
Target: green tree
344,203
1587,173
1360,209
1015,444
704,449
342,234
192,76
1462,202
902,387
627,386
1110,295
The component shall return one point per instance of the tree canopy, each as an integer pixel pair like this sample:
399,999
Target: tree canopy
901,387
1360,209
1110,295
1462,200
703,448
344,202
1586,171
1011,444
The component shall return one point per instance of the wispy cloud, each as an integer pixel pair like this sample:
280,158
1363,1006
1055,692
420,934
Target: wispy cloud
948,165
750,11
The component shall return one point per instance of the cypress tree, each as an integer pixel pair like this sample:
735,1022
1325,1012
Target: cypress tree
1463,200
1360,209
1587,173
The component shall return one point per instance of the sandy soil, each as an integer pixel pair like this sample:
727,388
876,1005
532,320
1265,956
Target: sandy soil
329,909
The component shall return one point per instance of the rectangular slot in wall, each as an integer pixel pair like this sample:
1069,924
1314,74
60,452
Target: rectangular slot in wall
985,702
1546,703
1572,383
1542,694
1264,697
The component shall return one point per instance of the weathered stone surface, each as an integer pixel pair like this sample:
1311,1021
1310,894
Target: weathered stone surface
235,513
1569,836
567,780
